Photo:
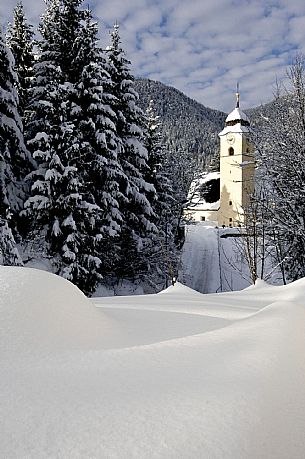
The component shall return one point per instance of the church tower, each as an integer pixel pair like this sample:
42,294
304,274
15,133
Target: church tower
236,168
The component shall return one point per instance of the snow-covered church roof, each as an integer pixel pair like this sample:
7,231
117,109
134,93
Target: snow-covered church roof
236,121
237,115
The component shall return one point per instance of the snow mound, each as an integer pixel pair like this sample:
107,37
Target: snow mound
179,289
42,312
260,283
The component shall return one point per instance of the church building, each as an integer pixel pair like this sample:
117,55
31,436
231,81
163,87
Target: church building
236,175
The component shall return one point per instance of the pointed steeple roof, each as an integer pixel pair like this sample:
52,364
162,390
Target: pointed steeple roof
237,120
237,115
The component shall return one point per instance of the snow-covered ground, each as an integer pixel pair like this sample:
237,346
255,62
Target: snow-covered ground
213,260
211,263
175,375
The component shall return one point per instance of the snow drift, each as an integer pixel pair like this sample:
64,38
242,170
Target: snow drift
229,384
41,312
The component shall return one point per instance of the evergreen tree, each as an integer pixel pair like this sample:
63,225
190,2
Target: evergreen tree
136,208
12,155
63,203
156,158
163,254
56,202
20,41
182,170
56,198
96,123
75,188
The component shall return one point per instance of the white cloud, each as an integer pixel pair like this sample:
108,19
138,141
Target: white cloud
203,47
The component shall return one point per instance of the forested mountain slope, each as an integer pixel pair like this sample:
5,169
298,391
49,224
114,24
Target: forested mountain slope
186,124
271,111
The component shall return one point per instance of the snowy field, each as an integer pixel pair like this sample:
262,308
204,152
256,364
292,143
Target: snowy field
175,375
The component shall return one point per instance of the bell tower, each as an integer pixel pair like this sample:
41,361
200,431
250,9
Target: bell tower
236,167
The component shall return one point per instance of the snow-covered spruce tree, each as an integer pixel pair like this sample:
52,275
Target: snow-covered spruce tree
281,147
182,170
63,205
55,202
135,205
20,41
96,121
163,253
12,154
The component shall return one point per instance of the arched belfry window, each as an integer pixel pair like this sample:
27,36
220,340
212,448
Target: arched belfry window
231,151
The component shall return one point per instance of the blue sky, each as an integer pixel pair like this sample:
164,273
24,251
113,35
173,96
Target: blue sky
202,47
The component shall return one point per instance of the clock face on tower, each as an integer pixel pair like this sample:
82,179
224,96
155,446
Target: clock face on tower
230,138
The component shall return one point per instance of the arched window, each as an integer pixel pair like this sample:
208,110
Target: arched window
231,151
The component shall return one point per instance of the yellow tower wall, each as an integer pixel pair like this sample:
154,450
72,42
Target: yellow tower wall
236,179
